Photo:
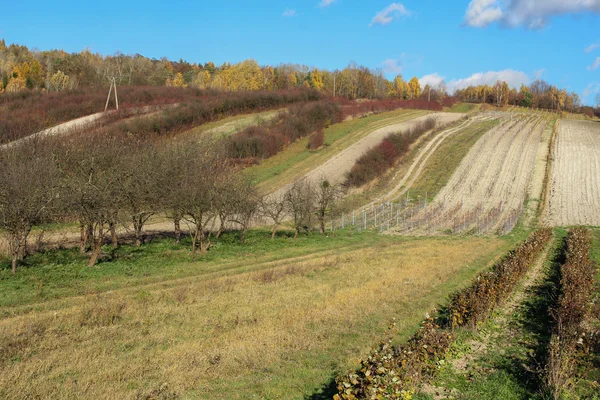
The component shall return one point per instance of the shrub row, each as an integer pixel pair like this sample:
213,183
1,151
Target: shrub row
572,308
296,122
362,108
25,113
474,304
28,112
303,120
214,106
395,372
379,159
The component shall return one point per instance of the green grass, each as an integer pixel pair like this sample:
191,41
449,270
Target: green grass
64,273
221,326
463,108
297,159
232,125
446,159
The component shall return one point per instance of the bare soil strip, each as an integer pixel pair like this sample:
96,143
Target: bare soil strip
574,185
487,192
335,168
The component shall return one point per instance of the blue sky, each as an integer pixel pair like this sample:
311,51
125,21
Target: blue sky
462,41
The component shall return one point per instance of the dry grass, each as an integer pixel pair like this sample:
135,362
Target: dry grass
278,332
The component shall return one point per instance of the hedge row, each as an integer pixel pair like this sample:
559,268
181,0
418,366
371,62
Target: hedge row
361,108
296,122
572,309
395,372
379,159
473,305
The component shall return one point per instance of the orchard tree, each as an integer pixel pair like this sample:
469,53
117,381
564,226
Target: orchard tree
300,202
28,193
274,207
326,196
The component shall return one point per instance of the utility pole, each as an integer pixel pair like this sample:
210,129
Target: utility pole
113,83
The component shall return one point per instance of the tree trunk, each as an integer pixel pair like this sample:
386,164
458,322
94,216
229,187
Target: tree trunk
322,224
204,243
221,226
82,237
274,231
177,223
195,239
14,263
137,227
113,235
96,247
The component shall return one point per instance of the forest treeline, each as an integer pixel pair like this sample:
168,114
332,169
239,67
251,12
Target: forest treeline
23,69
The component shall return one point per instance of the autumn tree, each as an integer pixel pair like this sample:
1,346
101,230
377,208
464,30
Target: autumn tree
414,88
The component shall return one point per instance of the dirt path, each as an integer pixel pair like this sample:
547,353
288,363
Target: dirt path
336,168
574,185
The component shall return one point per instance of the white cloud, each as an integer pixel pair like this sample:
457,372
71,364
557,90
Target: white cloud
289,13
533,14
539,73
510,76
592,47
326,3
431,80
595,65
481,13
393,67
390,13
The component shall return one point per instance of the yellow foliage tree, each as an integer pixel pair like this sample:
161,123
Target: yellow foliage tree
202,79
414,88
316,79
59,82
293,80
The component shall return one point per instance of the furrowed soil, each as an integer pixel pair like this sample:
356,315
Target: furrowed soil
487,191
575,185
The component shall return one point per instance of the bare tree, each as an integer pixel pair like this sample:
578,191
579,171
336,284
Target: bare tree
244,204
28,193
192,189
326,195
88,174
138,180
300,201
274,208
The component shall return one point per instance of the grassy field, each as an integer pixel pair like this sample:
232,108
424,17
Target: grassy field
464,108
297,159
232,125
267,319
